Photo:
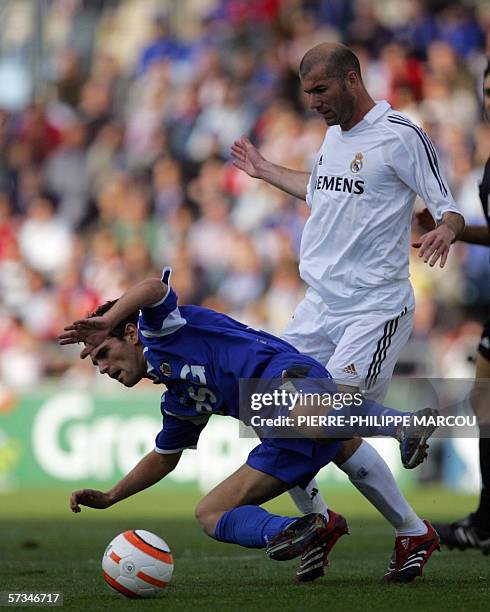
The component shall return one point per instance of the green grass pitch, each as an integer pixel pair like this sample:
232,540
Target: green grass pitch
43,547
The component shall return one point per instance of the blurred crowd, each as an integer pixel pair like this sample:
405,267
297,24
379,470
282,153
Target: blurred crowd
116,120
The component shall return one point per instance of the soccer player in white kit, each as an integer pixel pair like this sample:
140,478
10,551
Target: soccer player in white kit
358,309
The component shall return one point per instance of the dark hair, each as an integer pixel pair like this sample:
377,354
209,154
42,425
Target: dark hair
119,330
487,69
336,64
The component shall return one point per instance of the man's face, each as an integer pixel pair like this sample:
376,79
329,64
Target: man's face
120,359
486,97
332,97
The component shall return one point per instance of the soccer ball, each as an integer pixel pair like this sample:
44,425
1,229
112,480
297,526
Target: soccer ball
137,564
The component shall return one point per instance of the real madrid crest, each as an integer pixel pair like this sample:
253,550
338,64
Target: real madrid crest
166,369
356,164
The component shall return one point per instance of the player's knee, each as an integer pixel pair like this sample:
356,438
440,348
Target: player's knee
202,514
207,516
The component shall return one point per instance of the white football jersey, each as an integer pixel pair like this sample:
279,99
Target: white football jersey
355,245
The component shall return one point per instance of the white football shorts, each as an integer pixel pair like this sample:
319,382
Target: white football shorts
359,350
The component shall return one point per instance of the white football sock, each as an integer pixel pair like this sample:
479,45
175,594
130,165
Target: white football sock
368,472
310,499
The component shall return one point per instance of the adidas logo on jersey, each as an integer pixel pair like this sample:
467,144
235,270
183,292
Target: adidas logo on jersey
340,183
350,369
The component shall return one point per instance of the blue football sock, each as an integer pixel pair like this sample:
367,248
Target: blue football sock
250,526
381,421
372,408
376,423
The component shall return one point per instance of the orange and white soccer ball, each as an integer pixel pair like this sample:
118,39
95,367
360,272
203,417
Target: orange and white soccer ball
138,564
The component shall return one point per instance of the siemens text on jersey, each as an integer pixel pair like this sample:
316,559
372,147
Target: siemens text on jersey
339,183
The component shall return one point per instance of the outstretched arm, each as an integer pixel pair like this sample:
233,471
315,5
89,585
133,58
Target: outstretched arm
247,158
93,331
147,292
150,470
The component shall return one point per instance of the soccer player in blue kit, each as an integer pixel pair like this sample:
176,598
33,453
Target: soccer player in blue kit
201,356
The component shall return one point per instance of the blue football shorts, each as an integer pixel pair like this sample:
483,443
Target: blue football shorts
294,461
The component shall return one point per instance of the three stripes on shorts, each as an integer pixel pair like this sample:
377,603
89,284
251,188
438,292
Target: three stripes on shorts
382,349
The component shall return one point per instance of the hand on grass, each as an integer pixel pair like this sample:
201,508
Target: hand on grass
89,497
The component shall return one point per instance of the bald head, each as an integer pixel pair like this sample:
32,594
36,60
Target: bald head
331,78
335,59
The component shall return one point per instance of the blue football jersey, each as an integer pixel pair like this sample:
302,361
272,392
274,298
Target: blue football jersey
200,356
